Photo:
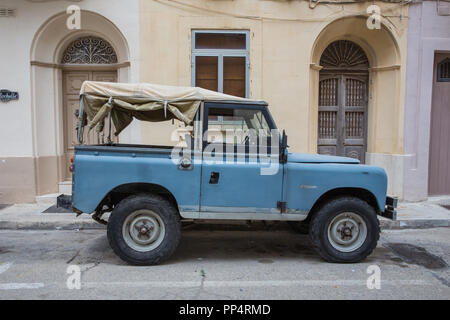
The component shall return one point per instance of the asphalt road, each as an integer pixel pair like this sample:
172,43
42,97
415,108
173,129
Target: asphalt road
217,264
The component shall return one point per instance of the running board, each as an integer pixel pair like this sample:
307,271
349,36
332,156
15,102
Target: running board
244,216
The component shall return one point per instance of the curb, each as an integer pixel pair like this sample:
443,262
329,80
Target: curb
414,224
50,225
87,224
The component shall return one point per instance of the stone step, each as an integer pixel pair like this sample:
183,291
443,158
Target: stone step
47,199
65,187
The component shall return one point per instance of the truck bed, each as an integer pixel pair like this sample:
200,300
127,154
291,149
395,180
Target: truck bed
121,147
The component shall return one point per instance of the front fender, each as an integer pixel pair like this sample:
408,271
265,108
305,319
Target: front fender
307,182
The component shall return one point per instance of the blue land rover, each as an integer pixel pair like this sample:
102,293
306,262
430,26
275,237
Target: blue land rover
231,165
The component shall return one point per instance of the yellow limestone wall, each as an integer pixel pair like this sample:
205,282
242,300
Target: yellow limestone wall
287,39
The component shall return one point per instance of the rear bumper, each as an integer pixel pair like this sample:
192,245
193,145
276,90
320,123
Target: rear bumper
390,211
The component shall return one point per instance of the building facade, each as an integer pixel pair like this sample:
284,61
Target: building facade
427,117
36,130
334,83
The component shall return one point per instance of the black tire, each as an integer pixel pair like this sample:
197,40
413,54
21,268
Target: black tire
299,226
321,220
167,213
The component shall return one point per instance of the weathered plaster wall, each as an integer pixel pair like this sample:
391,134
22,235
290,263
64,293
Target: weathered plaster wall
31,131
287,40
428,33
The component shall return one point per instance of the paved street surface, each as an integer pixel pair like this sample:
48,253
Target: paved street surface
218,264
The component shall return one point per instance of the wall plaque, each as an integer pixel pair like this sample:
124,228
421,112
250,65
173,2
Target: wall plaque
6,95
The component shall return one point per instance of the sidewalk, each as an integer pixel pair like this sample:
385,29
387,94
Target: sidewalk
427,214
416,215
31,216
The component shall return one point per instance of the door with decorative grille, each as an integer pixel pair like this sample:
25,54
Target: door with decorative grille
343,87
343,115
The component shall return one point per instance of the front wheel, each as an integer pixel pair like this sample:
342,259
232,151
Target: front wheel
144,229
345,229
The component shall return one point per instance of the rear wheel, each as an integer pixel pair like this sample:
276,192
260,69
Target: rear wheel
144,229
345,229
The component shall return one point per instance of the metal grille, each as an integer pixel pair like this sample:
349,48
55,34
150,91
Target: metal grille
354,124
344,54
7,12
327,124
89,50
342,116
328,92
355,93
443,71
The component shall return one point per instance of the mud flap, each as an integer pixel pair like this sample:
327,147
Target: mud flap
64,201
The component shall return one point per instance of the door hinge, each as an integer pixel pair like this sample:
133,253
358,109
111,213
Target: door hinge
282,206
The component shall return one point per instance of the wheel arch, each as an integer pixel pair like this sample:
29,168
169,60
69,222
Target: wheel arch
118,193
360,193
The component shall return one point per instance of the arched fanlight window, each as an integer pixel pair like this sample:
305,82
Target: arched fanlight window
89,50
344,54
443,71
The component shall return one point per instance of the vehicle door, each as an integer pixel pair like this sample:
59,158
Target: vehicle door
240,167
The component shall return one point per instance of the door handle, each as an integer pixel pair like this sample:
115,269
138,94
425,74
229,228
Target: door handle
214,179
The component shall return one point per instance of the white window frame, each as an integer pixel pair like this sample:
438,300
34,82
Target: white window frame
220,54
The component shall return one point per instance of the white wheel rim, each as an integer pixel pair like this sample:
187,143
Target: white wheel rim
347,232
143,230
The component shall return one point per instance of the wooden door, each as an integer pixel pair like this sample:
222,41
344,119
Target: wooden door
72,81
343,115
439,163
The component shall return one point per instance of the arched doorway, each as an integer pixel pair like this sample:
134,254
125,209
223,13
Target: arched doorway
343,100
86,58
54,86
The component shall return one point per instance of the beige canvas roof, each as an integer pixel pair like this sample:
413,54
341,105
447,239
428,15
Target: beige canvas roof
155,92
144,101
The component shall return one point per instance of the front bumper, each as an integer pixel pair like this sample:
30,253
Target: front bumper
390,211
